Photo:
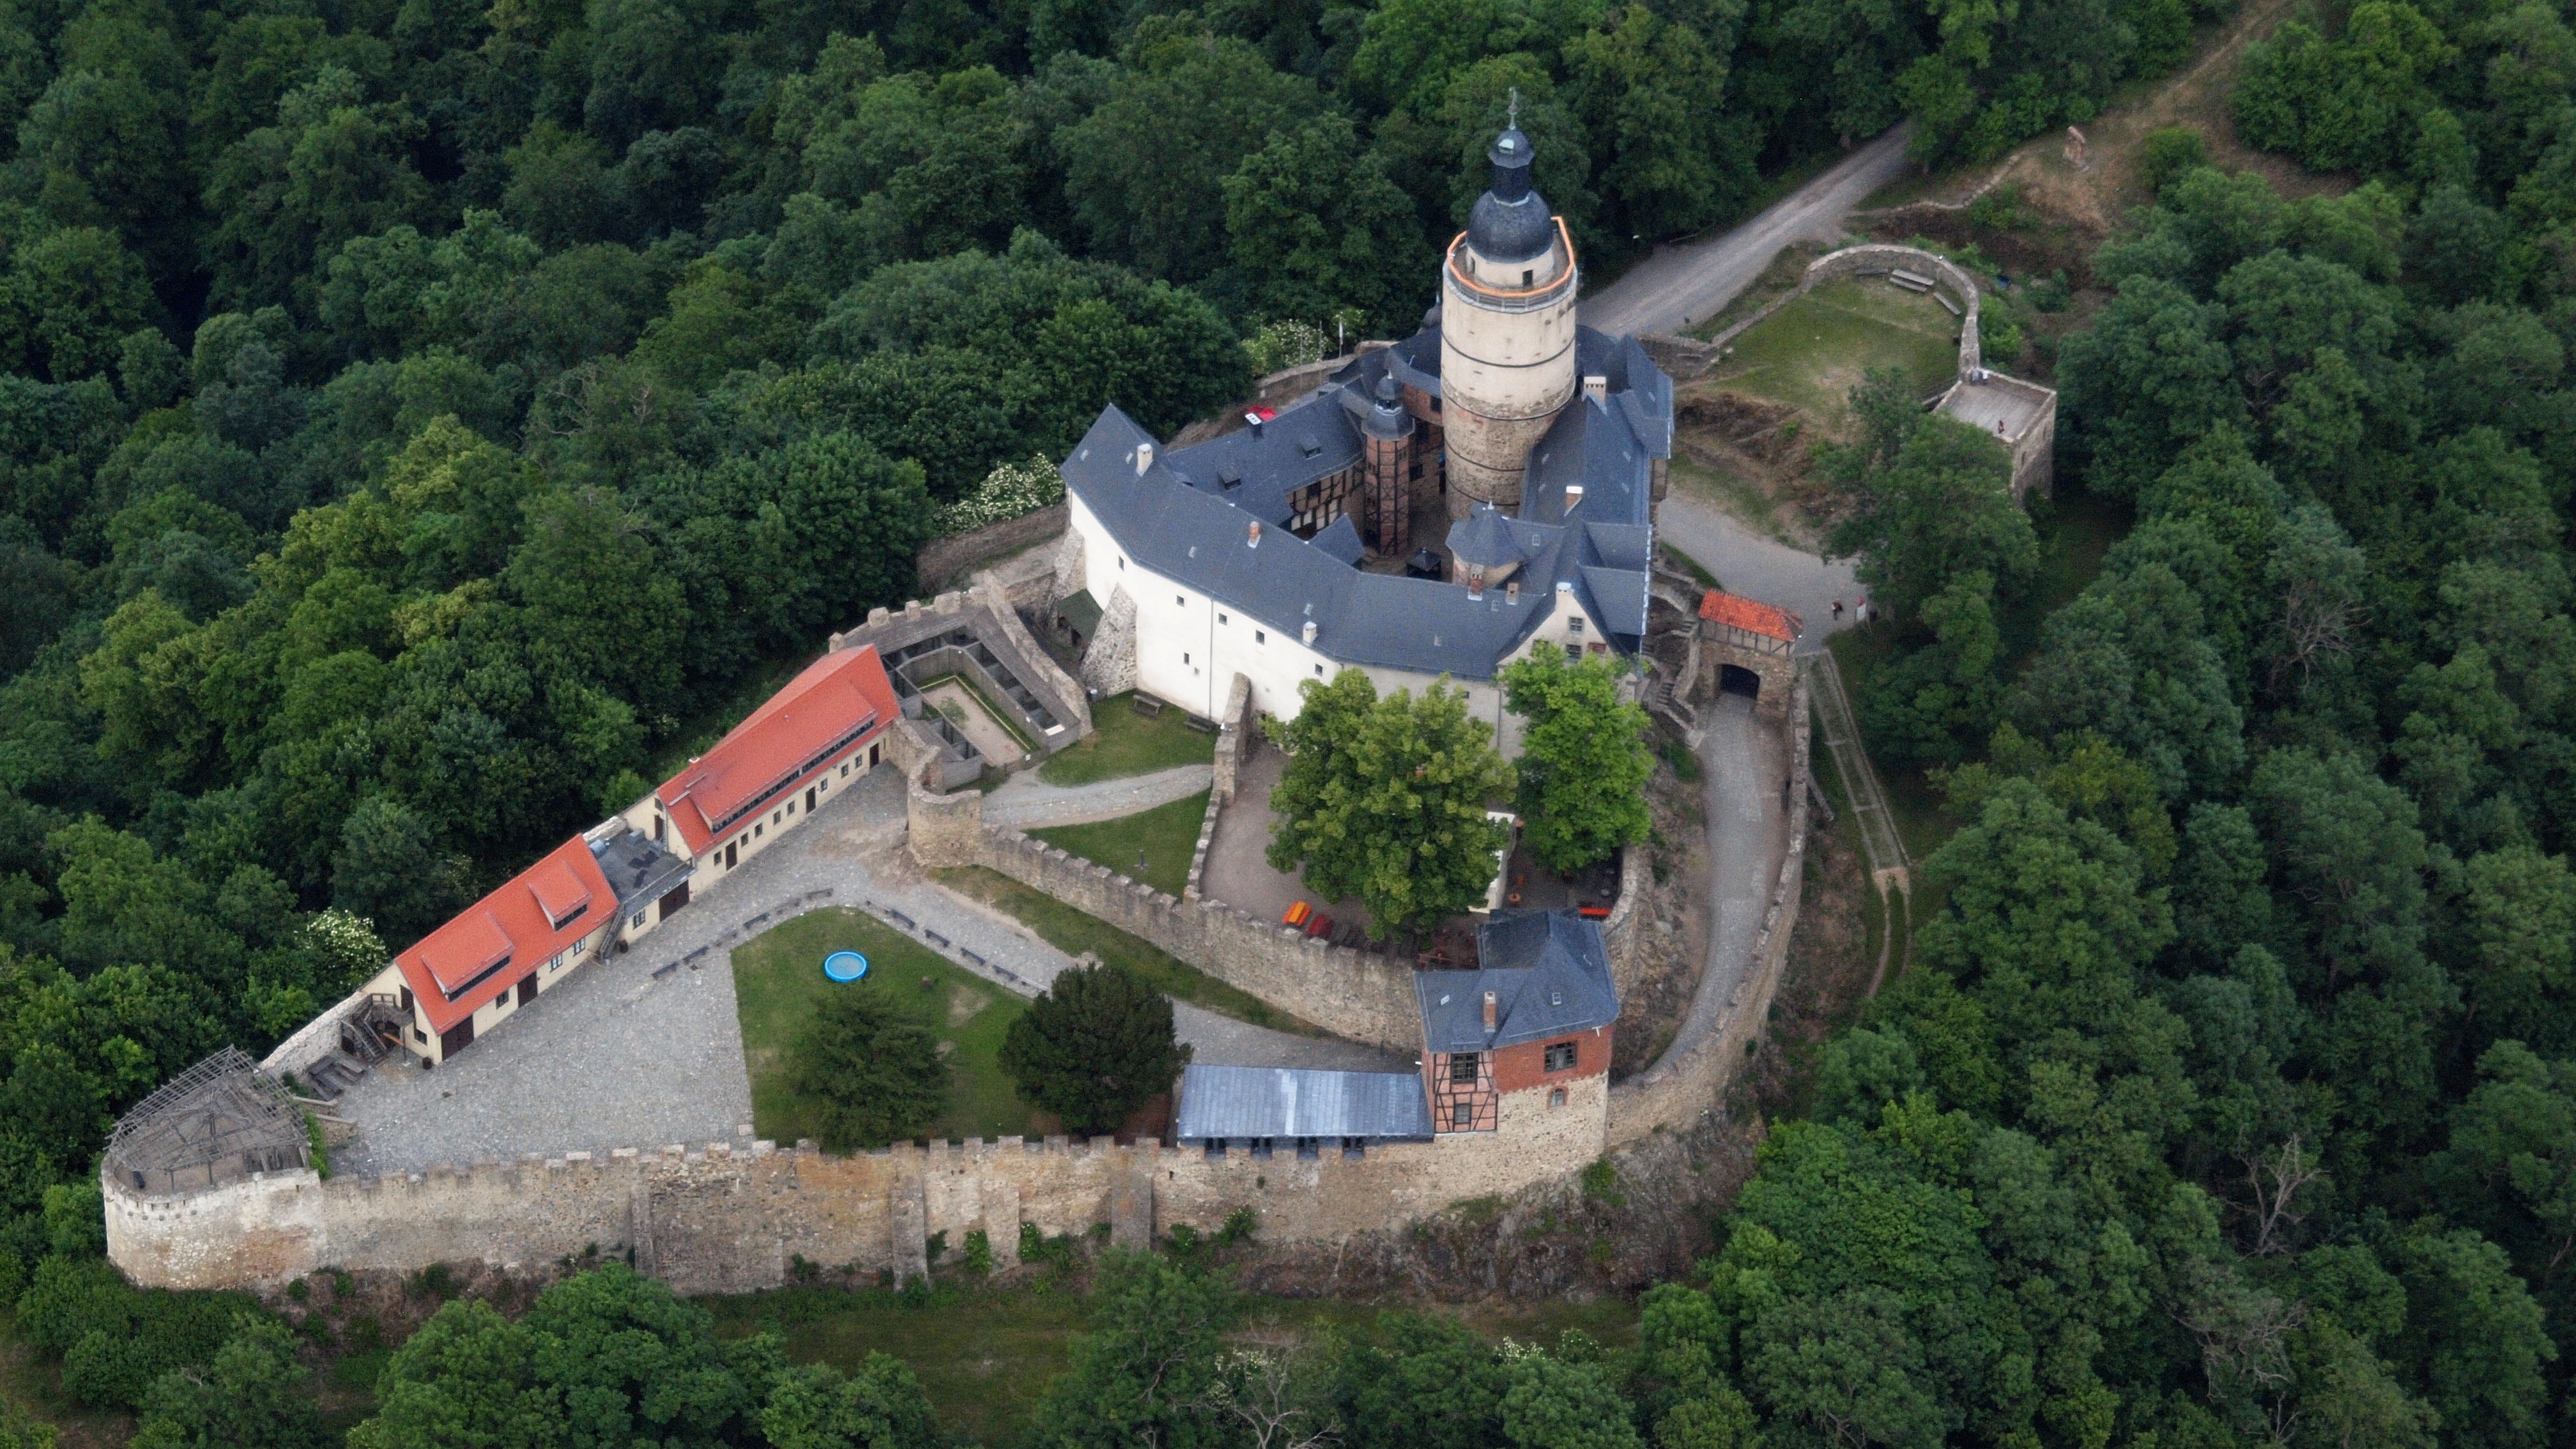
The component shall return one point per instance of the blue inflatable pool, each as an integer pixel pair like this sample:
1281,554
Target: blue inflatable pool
845,965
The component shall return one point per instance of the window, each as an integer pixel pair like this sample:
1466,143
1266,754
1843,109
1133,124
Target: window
1185,658
1574,625
1462,1067
1122,563
1222,619
1180,602
638,922
845,769
1461,1116
1560,1056
1556,1098
826,784
773,816
1529,276
791,807
1258,637
755,832
1319,671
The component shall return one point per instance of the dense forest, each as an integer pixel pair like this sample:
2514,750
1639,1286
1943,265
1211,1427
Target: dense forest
415,417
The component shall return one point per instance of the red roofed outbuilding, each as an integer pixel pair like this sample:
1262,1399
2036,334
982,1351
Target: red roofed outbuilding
1749,649
497,954
1750,615
822,730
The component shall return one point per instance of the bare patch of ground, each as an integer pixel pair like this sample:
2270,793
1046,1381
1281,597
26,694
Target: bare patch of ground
1832,958
1672,939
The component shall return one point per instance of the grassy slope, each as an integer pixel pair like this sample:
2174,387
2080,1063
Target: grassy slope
778,979
1813,352
1126,743
1164,837
1072,932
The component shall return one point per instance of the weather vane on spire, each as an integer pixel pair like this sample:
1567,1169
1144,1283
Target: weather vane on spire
1513,116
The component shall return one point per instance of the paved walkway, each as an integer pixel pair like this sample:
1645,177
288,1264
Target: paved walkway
1748,836
1760,567
1025,802
645,1049
1686,284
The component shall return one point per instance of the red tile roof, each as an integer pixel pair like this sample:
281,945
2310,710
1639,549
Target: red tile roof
839,700
489,946
1745,614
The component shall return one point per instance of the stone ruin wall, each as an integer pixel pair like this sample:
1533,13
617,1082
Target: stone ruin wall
715,1221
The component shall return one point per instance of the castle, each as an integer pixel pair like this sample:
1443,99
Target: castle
1309,541
1535,449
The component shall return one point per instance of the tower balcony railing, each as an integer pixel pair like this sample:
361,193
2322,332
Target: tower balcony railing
1513,299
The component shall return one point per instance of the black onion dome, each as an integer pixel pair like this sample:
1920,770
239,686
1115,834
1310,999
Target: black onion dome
1510,222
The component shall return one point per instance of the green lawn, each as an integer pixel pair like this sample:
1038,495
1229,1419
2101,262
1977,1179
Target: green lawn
1164,838
1813,352
1073,933
778,979
985,1355
1126,743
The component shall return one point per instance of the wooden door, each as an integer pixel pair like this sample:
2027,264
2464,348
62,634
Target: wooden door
672,903
809,799
527,988
456,1038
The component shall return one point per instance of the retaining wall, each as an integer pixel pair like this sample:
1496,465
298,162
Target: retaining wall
1692,1076
943,559
1355,994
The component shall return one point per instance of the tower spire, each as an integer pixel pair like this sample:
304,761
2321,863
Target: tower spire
1512,116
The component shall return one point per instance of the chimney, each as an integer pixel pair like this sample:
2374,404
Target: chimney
1475,581
1254,420
1512,593
1491,1011
1253,535
1310,633
1144,458
1573,496
1597,388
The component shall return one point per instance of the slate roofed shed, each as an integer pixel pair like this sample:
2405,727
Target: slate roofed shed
1240,1103
488,946
838,701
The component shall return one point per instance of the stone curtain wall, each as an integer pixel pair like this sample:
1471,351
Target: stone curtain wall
943,559
1687,1083
714,1221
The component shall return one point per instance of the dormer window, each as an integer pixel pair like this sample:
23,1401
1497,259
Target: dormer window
1229,481
1310,448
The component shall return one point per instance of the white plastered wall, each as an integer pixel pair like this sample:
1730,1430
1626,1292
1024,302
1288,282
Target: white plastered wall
1189,646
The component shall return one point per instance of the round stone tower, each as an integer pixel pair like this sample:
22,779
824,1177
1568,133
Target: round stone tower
1506,333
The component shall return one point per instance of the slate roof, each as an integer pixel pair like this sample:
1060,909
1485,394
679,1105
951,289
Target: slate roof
639,871
485,949
1550,975
834,703
1185,516
1288,1102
